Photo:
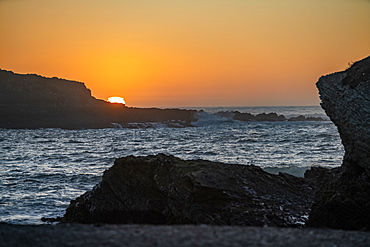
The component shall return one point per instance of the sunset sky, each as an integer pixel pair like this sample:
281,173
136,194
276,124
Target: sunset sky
170,53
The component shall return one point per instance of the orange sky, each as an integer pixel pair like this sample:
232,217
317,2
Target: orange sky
187,52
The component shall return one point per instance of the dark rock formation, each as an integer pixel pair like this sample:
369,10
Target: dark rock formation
301,118
247,117
272,117
264,117
343,198
164,189
32,101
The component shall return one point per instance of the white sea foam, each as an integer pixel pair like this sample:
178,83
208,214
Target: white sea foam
206,119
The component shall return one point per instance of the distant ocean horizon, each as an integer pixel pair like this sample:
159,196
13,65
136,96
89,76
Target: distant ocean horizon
41,170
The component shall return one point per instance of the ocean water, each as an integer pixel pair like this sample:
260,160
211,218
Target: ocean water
42,170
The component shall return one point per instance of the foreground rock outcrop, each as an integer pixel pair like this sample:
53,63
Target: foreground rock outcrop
33,101
164,189
343,197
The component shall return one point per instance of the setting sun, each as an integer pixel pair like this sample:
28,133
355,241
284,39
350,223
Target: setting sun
116,100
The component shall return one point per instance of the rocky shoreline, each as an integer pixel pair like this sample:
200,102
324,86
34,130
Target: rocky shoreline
202,203
164,189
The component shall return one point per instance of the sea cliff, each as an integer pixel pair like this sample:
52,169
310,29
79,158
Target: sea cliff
343,196
33,101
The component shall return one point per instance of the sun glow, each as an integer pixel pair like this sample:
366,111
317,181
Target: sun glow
116,100
187,53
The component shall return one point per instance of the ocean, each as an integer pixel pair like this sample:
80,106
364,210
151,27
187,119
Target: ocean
42,170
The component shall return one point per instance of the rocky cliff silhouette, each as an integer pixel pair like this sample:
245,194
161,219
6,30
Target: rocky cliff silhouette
343,196
33,101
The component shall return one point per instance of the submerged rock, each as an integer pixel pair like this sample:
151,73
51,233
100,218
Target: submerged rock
164,189
343,197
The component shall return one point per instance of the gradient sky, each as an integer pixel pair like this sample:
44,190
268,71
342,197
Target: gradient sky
187,52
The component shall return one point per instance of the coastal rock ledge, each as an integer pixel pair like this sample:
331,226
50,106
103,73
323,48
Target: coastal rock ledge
343,197
164,189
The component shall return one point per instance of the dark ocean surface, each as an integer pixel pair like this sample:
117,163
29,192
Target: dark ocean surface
42,170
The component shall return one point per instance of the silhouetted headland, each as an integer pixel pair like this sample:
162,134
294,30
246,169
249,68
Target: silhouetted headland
33,101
